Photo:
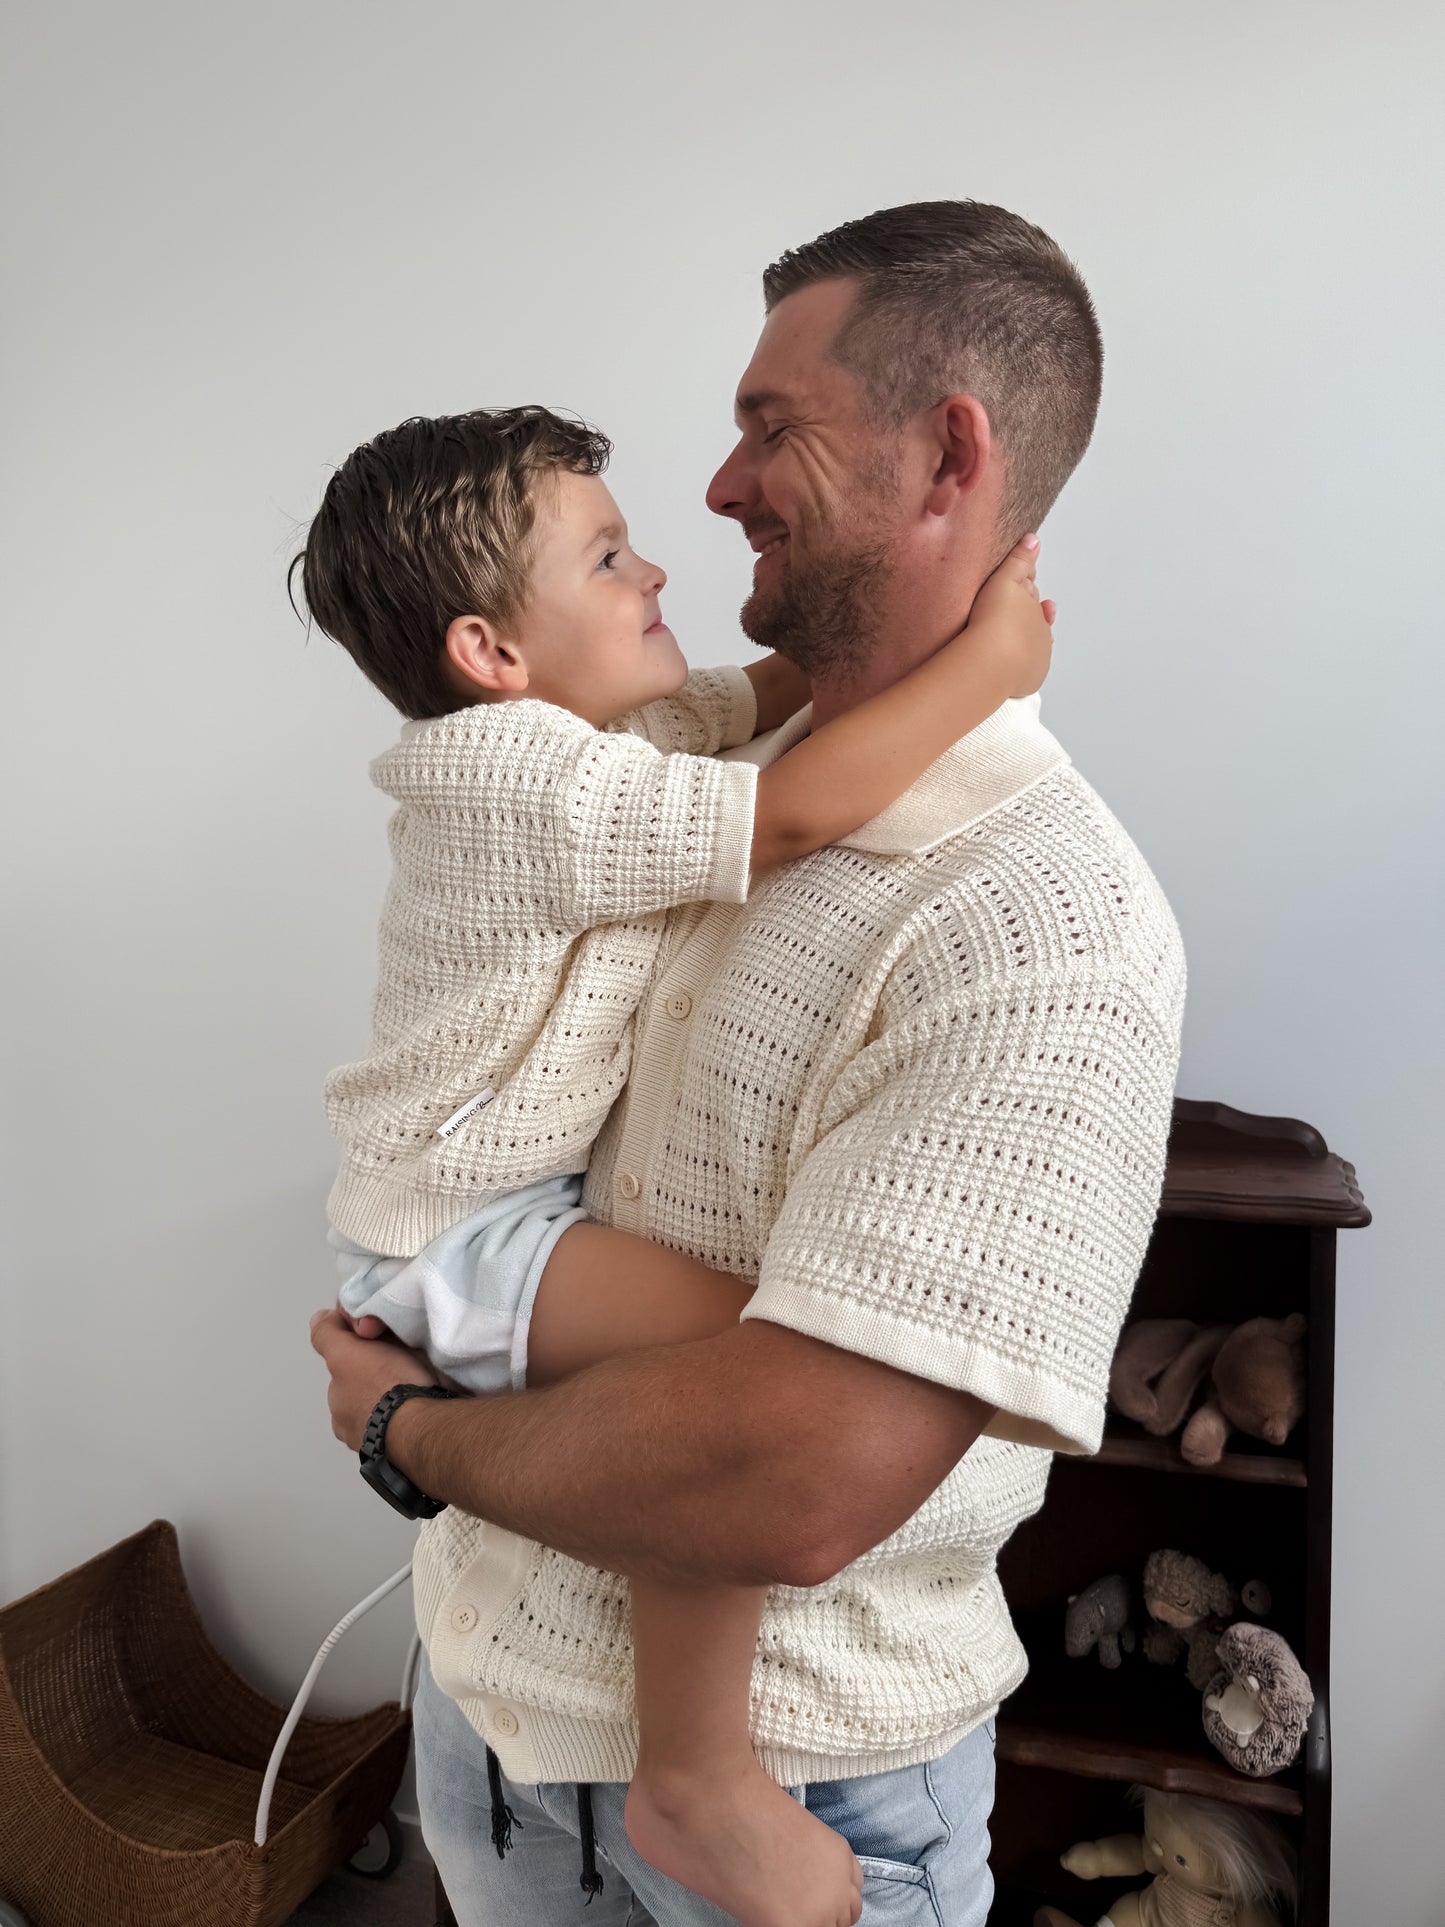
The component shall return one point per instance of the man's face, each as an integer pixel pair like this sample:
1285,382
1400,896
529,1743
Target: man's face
814,487
591,631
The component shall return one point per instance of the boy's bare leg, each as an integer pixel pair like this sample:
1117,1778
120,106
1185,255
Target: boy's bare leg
700,1808
607,1291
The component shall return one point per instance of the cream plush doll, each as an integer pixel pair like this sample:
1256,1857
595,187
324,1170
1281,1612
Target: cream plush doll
1213,1866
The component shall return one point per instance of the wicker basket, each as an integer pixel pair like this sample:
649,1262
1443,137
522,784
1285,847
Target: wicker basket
131,1760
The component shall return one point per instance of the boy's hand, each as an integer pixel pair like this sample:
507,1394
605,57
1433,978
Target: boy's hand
1008,613
367,1327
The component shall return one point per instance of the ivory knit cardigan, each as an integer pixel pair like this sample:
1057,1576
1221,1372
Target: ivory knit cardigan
532,858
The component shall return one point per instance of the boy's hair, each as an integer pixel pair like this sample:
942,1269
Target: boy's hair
428,522
956,297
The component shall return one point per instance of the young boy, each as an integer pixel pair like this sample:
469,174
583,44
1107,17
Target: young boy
558,792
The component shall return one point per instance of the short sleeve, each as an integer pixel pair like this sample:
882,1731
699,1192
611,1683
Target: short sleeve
977,1203
550,818
715,709
647,831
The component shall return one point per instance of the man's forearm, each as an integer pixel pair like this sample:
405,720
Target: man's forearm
726,1460
648,1463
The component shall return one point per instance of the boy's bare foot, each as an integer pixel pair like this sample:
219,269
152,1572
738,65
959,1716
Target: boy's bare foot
741,1842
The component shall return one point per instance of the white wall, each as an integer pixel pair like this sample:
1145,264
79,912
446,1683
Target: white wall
240,239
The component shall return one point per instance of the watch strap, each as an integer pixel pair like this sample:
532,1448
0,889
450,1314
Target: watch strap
377,1469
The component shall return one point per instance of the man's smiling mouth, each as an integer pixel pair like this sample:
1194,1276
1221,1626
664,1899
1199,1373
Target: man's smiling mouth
771,545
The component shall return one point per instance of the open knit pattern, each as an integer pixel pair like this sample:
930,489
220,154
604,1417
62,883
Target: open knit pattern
532,856
919,1088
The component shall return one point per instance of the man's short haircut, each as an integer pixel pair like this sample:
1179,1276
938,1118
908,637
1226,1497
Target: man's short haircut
430,521
956,297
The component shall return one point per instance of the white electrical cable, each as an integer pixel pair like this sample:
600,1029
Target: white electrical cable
298,1705
411,1673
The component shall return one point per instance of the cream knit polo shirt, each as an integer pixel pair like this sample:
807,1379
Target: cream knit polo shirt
532,859
919,1088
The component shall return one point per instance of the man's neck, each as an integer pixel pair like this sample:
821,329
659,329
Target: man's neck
912,633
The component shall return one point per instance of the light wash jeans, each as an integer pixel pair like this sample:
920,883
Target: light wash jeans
920,1834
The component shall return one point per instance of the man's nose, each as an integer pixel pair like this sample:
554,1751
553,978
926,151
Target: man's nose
733,488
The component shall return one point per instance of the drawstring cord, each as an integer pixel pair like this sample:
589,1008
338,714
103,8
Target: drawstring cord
591,1879
503,1818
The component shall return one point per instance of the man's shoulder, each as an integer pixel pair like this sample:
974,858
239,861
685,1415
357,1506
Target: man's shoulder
1049,884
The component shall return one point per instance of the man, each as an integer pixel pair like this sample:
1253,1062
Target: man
918,1087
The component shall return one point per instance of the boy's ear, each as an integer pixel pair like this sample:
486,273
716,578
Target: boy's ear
483,658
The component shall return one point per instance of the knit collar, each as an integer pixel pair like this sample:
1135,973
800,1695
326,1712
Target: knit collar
984,770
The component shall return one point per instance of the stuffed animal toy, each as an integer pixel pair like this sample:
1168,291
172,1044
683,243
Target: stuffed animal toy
1210,1863
1257,1385
1258,1704
1158,1370
1099,1617
1188,1606
1252,1377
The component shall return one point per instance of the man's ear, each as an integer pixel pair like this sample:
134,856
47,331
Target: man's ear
483,658
963,447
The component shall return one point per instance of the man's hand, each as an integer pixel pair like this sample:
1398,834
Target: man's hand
361,1370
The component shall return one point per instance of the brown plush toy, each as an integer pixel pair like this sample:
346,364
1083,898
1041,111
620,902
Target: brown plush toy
1189,1607
1257,1706
1158,1370
1257,1385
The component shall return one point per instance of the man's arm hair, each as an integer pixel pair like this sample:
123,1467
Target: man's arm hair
755,1457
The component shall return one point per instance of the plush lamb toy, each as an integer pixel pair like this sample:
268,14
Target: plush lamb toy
1099,1616
1257,1385
1258,1705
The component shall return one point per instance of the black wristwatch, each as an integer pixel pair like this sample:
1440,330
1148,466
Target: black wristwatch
377,1469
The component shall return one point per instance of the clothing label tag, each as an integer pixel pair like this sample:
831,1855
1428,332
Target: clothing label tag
459,1118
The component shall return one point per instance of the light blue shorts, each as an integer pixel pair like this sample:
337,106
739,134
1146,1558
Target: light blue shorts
466,1299
920,1834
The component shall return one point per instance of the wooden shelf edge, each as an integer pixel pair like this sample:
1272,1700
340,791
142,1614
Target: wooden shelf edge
1101,1759
1163,1455
1231,1164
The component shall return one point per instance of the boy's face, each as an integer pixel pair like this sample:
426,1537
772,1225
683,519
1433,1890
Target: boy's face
592,635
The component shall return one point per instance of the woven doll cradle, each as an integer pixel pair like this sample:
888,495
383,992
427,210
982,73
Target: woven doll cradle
132,1759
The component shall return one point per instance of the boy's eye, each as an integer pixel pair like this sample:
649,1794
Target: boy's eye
608,559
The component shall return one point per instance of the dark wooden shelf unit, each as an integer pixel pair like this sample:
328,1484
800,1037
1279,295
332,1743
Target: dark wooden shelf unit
1246,1229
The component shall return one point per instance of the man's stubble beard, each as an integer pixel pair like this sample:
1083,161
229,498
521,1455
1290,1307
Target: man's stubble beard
825,616
826,613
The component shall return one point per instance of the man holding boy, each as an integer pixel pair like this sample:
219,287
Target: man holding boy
918,1087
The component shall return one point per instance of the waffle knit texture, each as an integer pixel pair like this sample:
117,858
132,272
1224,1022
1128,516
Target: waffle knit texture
533,857
919,1089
